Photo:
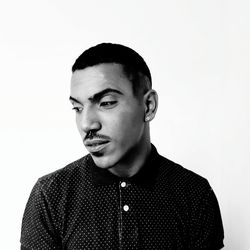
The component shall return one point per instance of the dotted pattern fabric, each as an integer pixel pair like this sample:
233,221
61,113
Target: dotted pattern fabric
81,206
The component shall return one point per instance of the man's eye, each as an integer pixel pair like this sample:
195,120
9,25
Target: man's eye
108,104
77,109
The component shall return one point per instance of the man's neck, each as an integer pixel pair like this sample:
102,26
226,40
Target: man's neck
133,163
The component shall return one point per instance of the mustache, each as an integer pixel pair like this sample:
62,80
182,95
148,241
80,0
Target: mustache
92,135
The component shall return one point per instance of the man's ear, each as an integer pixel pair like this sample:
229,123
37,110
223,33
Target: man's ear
150,104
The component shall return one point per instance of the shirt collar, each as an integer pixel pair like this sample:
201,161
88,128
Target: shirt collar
145,177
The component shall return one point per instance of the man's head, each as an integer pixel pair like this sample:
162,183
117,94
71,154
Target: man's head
112,96
133,65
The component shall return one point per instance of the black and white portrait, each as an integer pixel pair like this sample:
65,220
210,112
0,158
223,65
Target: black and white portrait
125,125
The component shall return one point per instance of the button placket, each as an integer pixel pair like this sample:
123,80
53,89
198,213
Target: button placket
128,227
123,185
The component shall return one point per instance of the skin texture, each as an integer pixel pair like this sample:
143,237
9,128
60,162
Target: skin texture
105,104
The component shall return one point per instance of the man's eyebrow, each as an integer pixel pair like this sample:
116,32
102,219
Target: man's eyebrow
74,100
99,95
96,97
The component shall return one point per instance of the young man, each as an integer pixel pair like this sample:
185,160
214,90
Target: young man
123,194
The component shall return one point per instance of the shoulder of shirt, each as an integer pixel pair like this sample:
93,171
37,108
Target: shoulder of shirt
63,174
178,175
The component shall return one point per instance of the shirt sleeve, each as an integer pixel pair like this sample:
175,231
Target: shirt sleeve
37,228
207,228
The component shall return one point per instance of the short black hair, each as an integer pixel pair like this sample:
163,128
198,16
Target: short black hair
134,66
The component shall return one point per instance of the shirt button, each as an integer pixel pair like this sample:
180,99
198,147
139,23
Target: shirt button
123,184
125,208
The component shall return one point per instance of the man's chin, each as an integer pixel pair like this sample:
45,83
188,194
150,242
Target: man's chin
102,161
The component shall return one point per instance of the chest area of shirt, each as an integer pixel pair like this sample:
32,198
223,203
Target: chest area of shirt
123,216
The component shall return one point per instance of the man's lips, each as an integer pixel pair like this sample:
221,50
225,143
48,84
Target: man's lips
95,145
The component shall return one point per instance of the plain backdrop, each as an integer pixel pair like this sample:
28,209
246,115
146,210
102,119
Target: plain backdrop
199,55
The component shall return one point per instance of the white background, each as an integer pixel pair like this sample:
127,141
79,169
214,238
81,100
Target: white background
199,56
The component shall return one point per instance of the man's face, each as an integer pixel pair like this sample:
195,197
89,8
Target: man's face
105,104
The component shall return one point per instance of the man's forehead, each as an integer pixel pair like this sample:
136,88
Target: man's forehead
91,80
99,71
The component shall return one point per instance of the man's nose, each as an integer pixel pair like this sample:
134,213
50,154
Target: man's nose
89,120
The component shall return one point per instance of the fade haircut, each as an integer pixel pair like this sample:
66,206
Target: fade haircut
133,64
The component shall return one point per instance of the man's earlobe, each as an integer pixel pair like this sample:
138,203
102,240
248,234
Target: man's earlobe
151,104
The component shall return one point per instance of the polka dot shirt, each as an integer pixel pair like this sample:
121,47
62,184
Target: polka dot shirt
81,206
